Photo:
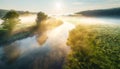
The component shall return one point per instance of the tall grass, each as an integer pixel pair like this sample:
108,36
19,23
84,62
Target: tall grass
94,47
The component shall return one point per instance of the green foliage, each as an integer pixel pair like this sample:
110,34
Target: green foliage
10,20
94,47
11,15
10,24
40,17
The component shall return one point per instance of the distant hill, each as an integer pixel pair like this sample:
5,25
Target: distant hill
113,12
3,12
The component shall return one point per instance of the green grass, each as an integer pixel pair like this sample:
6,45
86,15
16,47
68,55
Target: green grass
94,47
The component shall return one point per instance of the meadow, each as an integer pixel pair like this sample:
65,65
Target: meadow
94,47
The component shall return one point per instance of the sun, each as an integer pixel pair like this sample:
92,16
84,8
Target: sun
58,8
58,5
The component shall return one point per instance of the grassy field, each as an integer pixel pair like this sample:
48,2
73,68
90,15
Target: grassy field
94,47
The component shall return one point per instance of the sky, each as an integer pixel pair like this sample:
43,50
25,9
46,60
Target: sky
58,6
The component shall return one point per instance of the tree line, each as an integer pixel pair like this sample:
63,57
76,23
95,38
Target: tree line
11,19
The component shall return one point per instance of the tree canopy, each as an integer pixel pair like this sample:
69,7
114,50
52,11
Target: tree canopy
10,20
11,15
41,16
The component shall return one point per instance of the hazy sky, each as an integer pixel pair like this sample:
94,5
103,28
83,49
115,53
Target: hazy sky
58,6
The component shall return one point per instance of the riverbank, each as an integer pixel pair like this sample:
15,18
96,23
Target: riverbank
17,36
27,31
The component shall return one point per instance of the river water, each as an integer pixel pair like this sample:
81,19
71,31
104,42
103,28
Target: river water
30,53
47,51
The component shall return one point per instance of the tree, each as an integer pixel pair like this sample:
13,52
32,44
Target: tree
10,20
11,15
40,17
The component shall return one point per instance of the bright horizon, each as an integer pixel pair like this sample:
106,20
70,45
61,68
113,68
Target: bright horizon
58,7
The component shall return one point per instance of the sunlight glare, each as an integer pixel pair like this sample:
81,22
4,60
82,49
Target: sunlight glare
58,6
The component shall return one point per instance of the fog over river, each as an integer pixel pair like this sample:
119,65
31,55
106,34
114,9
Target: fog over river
31,53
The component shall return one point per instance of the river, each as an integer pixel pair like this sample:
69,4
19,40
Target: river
47,51
28,53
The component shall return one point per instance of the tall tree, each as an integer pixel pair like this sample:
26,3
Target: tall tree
40,16
11,15
10,20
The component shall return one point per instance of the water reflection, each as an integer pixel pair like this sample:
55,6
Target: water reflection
42,38
11,53
45,50
46,26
